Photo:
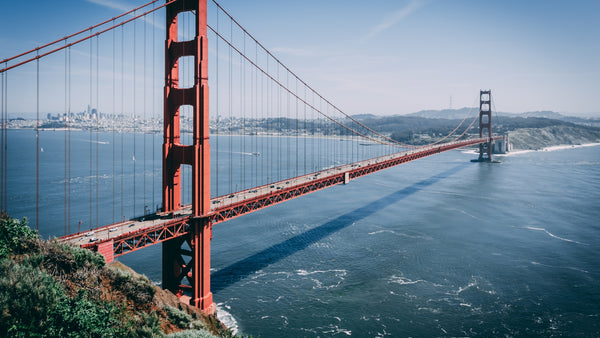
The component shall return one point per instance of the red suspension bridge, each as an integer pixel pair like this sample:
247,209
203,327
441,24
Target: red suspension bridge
266,137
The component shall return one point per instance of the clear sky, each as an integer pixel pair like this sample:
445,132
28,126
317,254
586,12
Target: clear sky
392,57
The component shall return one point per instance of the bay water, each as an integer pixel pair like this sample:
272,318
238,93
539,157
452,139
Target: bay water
435,247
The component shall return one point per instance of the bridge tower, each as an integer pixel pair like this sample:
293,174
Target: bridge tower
485,125
186,260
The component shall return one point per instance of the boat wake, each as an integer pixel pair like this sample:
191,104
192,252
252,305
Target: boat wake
554,236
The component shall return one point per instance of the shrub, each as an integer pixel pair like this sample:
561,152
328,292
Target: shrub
27,298
179,318
62,258
148,325
15,236
84,316
191,334
137,288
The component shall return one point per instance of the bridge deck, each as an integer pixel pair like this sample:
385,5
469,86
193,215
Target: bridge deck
151,229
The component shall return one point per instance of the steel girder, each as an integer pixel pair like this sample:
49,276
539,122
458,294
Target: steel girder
179,226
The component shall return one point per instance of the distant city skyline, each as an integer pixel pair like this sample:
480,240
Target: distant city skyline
388,57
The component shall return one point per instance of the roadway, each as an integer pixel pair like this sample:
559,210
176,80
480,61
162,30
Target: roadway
151,229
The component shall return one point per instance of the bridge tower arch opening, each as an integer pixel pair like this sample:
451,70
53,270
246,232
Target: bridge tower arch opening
186,260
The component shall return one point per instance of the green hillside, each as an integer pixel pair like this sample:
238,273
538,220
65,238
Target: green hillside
52,289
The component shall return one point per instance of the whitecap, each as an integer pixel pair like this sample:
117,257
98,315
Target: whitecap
326,282
554,236
302,272
227,318
472,216
334,329
560,267
381,232
399,234
468,286
429,309
404,281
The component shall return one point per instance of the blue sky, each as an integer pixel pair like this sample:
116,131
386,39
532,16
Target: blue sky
393,57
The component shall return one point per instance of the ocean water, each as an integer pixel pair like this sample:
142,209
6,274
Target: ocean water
436,247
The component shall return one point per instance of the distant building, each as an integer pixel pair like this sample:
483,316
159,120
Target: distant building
502,146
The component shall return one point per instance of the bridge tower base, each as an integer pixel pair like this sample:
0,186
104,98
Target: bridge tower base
186,266
186,260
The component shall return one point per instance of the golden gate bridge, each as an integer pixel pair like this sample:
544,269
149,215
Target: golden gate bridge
269,135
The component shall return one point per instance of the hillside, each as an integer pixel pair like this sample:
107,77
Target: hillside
537,138
51,289
524,132
462,112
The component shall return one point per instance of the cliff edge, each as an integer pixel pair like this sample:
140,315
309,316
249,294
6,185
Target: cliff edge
52,289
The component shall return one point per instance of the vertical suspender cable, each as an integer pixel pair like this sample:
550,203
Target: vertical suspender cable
255,121
217,136
69,147
153,111
37,149
305,133
230,108
182,31
2,146
312,142
262,143
134,117
144,120
278,127
97,120
2,130
268,152
65,150
288,127
123,118
5,142
243,108
114,118
270,117
297,132
321,135
90,128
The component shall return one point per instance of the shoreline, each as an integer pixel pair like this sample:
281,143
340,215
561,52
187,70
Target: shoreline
550,148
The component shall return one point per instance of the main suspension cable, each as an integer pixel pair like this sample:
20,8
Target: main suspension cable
6,68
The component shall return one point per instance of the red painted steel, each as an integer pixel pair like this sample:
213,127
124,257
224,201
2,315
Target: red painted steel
197,155
485,124
106,250
179,226
138,239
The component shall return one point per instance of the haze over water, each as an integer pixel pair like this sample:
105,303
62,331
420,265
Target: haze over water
436,247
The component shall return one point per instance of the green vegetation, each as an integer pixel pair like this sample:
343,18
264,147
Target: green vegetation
538,138
51,289
524,132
